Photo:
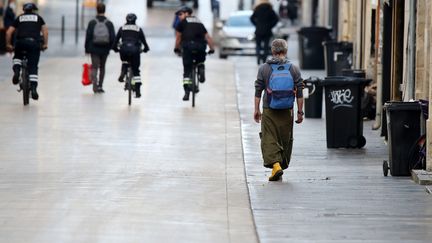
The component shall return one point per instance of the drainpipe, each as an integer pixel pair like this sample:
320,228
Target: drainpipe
410,88
378,68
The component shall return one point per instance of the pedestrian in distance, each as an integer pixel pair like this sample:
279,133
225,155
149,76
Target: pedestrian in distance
283,85
293,11
283,11
264,18
7,18
99,40
176,21
191,42
9,14
31,36
129,41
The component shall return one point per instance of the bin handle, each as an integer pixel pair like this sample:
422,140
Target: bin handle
313,85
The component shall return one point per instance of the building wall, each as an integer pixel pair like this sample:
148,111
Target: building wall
421,86
323,13
347,20
428,78
306,10
354,22
423,65
355,25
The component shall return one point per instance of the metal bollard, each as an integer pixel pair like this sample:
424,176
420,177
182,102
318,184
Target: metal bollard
63,29
76,21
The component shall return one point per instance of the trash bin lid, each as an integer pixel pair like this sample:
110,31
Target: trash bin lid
344,80
315,30
402,105
341,45
313,80
360,73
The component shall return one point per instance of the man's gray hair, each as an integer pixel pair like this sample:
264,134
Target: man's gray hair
279,46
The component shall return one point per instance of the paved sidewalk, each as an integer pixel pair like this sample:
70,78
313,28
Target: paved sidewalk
328,195
79,167
6,68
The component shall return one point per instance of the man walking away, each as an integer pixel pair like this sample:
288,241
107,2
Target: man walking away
99,40
283,85
264,18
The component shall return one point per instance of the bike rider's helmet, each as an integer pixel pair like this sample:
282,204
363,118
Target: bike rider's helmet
29,7
184,9
131,18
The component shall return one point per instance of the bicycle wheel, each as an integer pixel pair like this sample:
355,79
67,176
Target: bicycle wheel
129,92
129,86
417,154
25,85
194,85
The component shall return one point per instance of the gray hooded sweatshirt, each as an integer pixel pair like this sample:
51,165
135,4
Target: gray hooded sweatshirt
264,73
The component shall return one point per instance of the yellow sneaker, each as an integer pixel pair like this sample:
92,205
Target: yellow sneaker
277,172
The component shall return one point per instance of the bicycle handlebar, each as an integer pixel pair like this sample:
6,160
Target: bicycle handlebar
179,52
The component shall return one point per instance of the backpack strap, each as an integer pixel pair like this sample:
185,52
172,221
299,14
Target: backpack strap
103,21
275,66
268,80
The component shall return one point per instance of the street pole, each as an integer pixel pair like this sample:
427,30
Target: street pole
241,5
62,29
76,21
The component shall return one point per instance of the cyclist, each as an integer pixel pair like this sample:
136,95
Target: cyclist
132,38
192,39
28,27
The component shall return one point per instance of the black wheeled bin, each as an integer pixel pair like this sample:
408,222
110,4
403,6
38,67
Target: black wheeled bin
338,56
313,97
359,73
311,51
344,123
2,41
403,129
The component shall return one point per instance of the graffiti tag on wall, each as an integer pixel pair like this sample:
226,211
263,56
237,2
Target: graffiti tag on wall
342,97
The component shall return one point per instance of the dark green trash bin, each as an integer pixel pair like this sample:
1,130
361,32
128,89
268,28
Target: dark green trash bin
338,56
344,123
311,50
2,41
403,129
313,99
359,73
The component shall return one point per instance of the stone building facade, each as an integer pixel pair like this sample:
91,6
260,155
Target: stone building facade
392,43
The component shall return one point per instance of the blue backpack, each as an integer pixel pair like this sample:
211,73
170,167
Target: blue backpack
280,87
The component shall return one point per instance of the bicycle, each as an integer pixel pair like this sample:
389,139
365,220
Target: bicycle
195,78
195,83
128,84
24,82
417,153
129,87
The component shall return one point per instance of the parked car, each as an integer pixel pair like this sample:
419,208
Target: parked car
236,35
150,2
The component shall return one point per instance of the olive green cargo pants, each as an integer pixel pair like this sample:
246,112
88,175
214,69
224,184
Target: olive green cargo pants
276,137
